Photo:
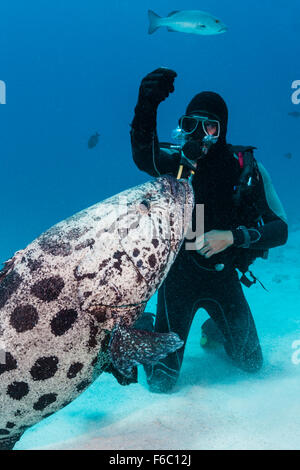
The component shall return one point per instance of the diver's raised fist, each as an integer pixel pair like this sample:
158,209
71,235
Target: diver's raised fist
157,86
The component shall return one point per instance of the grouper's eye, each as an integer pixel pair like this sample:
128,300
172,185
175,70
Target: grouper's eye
144,206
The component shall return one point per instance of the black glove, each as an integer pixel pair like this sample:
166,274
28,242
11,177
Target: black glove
154,89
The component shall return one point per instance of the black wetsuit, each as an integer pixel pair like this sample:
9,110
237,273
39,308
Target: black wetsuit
193,282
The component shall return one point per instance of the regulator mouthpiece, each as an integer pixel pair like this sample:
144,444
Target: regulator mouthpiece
207,142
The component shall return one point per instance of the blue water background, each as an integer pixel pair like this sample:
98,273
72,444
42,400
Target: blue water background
72,68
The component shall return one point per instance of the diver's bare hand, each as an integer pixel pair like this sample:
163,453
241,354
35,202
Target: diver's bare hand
214,242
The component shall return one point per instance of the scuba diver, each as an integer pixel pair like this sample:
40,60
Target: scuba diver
243,219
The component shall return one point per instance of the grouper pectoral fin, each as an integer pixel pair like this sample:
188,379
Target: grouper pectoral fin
8,443
130,347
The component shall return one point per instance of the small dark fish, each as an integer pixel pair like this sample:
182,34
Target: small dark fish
288,155
294,114
93,140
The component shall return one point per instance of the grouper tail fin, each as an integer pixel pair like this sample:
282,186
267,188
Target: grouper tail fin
130,347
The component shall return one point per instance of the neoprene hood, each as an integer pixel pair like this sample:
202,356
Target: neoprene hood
213,105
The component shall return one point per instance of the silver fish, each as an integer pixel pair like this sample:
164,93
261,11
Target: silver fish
68,300
187,21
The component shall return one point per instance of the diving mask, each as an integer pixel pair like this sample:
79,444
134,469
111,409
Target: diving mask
195,140
190,124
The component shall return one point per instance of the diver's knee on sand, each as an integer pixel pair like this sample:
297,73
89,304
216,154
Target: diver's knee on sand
252,362
160,378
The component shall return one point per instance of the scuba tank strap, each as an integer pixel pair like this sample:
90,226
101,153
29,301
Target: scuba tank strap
249,282
247,164
239,151
187,167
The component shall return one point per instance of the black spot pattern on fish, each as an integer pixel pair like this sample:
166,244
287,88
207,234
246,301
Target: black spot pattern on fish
8,286
164,252
10,363
92,343
79,277
103,264
136,252
99,313
139,263
103,281
10,425
94,361
87,243
74,369
17,390
83,385
48,289
63,321
44,401
24,318
44,368
34,265
55,247
76,233
152,260
155,242
4,432
118,255
139,278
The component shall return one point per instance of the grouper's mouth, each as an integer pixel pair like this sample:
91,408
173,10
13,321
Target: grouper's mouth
179,189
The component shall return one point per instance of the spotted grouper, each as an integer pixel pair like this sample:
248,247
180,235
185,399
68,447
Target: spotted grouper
69,300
